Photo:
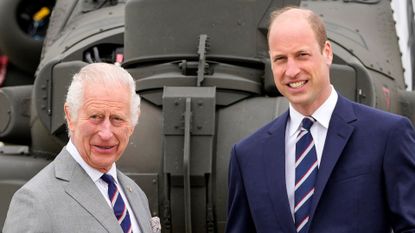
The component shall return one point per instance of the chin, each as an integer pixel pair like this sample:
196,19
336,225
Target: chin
103,162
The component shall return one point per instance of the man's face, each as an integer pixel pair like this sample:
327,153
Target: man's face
300,67
103,127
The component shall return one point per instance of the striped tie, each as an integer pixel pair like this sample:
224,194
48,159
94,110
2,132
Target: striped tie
120,209
305,175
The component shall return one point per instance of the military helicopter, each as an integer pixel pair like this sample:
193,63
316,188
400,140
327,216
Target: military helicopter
203,72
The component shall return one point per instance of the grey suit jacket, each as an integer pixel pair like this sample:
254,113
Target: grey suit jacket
63,198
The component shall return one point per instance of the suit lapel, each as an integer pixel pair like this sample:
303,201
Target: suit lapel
338,135
274,166
135,201
82,189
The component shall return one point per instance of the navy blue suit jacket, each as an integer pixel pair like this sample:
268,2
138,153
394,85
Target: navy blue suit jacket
366,179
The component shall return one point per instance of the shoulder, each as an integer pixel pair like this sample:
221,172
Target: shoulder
45,182
257,137
275,126
29,203
366,115
39,182
370,115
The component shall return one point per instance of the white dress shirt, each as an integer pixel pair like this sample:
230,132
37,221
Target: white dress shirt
319,133
102,185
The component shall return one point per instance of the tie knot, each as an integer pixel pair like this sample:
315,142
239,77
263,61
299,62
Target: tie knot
307,123
107,178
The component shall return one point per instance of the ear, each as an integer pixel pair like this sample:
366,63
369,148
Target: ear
69,120
138,114
131,130
328,53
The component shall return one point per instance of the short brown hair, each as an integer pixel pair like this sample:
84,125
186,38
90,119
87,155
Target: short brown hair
315,21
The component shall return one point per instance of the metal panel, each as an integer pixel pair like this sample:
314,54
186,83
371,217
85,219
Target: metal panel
61,79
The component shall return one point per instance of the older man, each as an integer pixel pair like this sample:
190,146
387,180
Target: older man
82,190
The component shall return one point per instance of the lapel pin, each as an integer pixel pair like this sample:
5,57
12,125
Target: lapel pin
129,189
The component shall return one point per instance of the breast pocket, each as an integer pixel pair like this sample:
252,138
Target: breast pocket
347,174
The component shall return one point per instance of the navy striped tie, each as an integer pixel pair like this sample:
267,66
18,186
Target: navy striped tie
120,209
306,169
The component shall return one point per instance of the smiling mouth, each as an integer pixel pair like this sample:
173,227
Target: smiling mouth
104,147
297,84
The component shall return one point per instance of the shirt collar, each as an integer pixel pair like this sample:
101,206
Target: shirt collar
92,172
322,114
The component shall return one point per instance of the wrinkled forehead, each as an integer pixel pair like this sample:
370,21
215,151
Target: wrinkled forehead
103,83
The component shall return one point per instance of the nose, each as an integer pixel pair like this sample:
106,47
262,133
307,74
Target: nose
291,69
105,131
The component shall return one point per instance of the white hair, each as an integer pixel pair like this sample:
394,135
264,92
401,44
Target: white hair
102,74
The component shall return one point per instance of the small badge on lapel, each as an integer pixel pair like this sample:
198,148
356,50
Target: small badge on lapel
129,189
